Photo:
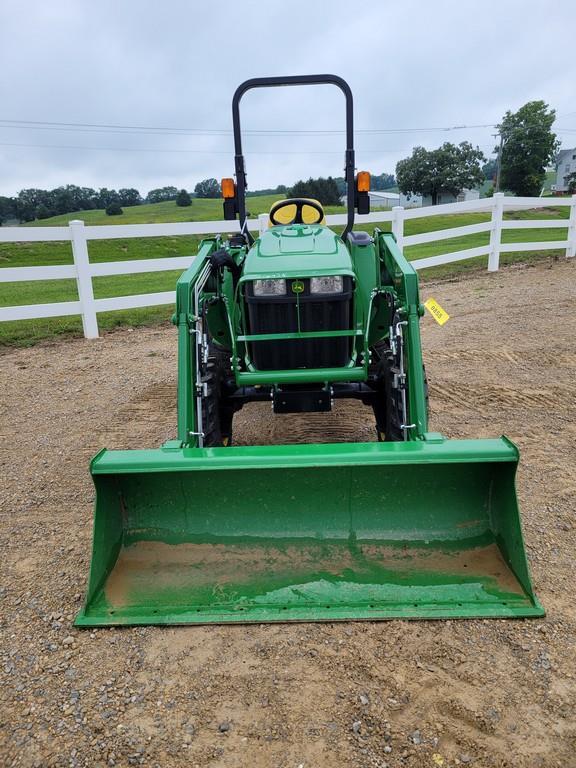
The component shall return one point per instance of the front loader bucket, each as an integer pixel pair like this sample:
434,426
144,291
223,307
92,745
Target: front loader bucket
307,533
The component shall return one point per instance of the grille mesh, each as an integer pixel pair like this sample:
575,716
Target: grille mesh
315,315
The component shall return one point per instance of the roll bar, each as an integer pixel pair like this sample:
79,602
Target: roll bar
273,82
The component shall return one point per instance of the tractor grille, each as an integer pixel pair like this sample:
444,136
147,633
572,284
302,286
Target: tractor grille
279,314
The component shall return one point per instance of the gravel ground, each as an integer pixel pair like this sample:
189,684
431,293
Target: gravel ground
483,693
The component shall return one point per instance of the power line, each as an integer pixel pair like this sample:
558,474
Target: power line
191,151
144,129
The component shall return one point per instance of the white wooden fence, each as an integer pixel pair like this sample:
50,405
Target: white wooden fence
82,270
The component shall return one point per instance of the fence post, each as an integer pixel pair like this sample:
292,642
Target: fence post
262,223
571,248
84,279
496,231
398,225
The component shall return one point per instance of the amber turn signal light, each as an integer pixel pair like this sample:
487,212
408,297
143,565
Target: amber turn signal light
363,181
228,188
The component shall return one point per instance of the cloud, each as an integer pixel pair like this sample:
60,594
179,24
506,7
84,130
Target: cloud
176,64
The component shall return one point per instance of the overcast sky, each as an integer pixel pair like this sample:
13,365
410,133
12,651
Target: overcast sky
175,64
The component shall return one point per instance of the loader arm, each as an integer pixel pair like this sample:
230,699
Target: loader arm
186,321
405,282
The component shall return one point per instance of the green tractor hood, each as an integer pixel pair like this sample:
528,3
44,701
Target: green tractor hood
297,250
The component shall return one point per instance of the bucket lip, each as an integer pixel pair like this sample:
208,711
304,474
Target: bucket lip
529,608
499,450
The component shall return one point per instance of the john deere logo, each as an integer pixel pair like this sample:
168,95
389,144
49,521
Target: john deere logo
297,286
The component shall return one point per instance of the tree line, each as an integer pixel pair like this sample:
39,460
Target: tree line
31,204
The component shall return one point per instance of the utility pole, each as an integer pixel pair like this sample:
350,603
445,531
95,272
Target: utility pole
499,165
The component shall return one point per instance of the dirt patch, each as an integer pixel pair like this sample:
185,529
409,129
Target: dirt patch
483,693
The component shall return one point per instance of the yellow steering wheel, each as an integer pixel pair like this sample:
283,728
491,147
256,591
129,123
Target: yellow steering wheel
296,210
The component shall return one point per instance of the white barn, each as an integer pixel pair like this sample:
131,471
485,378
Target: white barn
449,197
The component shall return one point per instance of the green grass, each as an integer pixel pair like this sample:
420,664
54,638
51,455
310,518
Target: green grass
200,210
27,332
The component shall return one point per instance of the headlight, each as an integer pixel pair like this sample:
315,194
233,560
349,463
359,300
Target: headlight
332,284
269,287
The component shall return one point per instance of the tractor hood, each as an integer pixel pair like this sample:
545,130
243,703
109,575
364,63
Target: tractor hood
297,250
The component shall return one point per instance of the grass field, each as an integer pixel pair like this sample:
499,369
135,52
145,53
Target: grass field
200,210
35,254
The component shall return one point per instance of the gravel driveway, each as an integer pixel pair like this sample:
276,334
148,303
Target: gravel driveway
483,693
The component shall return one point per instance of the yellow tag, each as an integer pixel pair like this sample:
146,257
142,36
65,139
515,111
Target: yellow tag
439,314
438,759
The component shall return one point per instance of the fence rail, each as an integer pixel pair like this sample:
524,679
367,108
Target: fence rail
83,271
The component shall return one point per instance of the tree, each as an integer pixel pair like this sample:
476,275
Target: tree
381,182
183,199
43,212
89,198
341,184
23,211
279,190
528,146
114,209
6,209
161,194
62,200
324,190
571,181
207,188
27,202
449,168
107,197
490,169
129,196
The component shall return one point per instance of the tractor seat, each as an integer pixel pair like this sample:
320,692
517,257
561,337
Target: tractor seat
296,210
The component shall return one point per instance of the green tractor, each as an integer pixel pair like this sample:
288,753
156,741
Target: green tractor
411,525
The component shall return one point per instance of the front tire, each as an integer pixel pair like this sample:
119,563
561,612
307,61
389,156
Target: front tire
385,375
388,405
216,415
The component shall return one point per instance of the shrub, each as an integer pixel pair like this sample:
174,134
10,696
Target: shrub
183,199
